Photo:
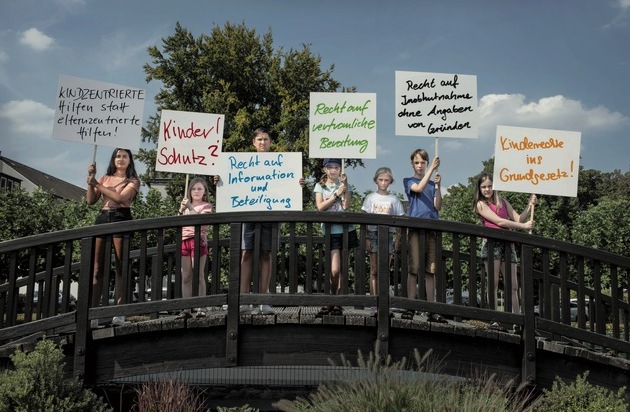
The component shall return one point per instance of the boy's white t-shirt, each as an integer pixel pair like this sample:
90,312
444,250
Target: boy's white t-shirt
387,204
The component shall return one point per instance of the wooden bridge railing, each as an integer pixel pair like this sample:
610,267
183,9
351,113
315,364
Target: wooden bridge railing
38,275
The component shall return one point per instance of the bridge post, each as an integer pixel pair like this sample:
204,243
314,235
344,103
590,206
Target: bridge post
528,366
382,313
83,308
233,297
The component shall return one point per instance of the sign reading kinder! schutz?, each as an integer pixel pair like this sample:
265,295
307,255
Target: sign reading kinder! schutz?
189,142
342,125
259,181
540,161
436,104
98,113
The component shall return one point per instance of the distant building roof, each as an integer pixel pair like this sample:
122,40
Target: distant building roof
58,187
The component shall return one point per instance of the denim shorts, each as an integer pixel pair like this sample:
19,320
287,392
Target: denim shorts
498,250
372,236
249,231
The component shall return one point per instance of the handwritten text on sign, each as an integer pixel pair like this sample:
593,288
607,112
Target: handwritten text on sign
98,113
436,104
189,142
536,161
342,125
259,181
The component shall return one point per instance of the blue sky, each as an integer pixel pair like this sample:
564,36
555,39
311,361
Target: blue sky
544,64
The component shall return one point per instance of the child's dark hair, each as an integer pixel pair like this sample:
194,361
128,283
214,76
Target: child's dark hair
420,152
131,169
261,130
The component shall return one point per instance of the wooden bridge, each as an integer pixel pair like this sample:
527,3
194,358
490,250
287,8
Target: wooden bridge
293,346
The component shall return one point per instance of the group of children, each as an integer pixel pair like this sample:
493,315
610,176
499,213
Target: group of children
332,194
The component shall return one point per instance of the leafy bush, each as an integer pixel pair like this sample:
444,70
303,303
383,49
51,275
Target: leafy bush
580,396
37,384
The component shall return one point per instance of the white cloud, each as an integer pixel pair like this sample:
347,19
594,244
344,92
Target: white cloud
4,57
28,116
36,40
620,19
555,112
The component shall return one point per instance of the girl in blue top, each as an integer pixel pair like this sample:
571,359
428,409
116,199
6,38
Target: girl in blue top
332,195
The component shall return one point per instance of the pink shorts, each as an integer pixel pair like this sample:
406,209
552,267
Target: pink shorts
188,247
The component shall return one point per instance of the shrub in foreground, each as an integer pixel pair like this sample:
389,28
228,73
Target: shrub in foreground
37,384
581,396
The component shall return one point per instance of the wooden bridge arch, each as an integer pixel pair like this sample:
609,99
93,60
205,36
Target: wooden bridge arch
226,341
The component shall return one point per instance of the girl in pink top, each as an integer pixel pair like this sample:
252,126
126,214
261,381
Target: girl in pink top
116,189
496,212
196,202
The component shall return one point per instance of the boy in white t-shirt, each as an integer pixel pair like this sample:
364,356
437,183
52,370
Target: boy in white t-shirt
385,203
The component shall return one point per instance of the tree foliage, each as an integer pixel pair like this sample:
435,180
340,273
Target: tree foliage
237,72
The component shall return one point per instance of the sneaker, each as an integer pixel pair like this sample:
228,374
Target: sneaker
373,311
200,313
496,326
184,314
266,310
118,320
408,314
436,317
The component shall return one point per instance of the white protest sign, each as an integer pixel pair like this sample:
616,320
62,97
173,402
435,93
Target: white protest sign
536,161
259,181
436,104
342,125
189,142
99,113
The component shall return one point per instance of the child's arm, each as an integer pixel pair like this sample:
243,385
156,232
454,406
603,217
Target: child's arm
437,200
127,194
487,213
422,184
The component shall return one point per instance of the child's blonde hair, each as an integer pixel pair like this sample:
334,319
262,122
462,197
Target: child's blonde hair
384,170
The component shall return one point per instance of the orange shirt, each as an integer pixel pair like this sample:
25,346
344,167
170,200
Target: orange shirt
117,184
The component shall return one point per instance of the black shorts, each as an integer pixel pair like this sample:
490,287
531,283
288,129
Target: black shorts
120,214
336,240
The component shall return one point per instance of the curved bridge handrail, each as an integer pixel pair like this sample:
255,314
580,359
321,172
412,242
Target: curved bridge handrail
550,271
313,217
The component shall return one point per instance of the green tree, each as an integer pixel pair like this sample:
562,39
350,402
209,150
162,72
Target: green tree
23,214
237,72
